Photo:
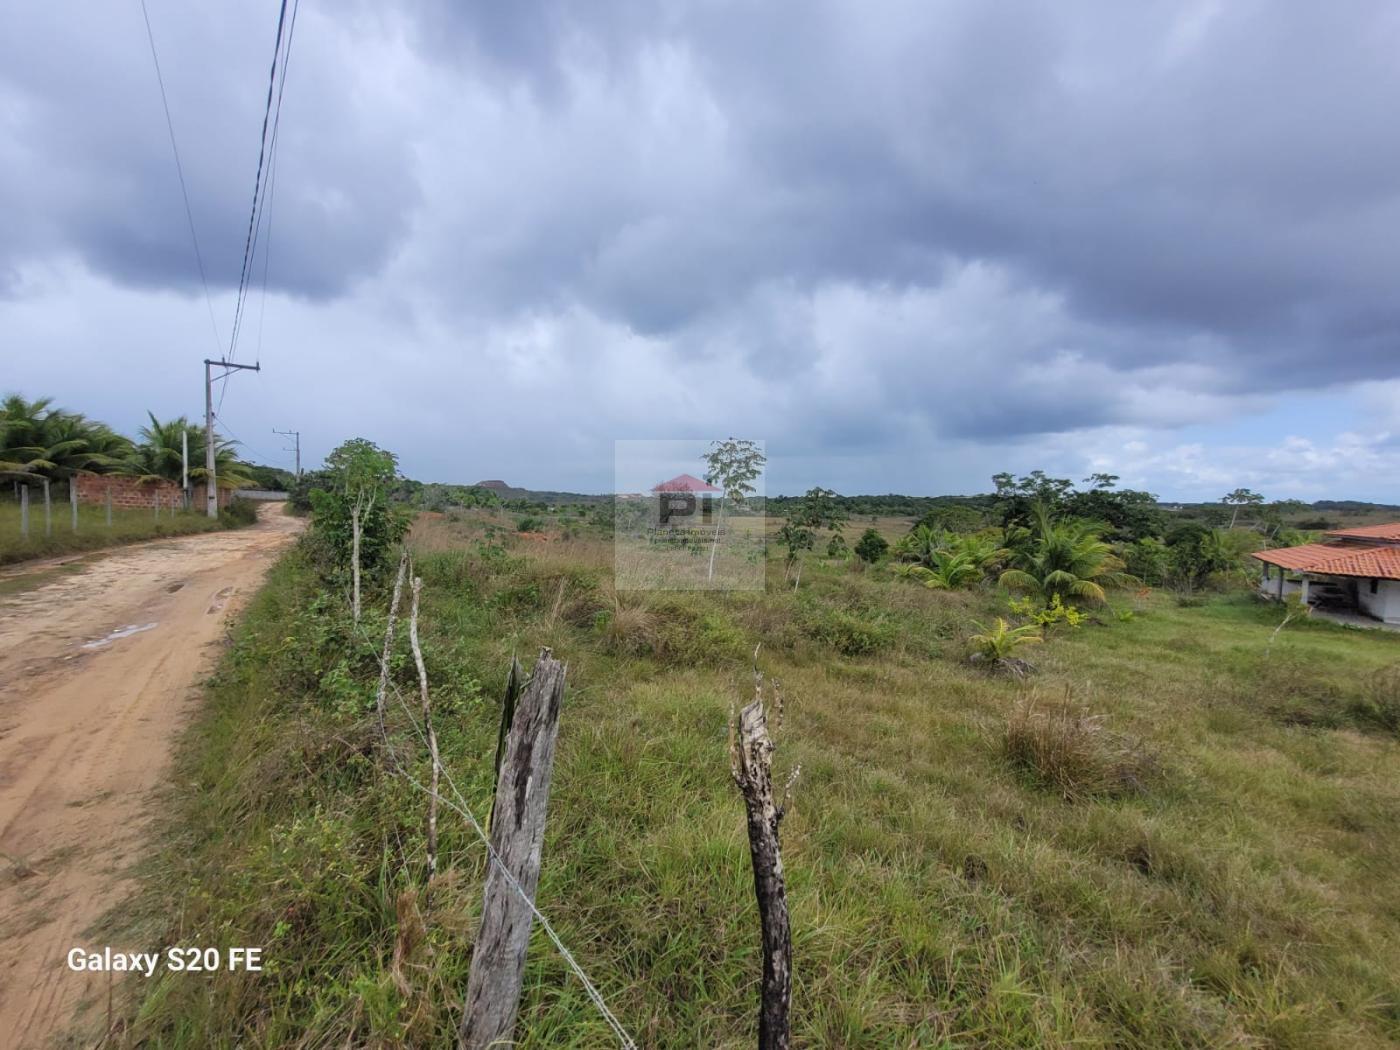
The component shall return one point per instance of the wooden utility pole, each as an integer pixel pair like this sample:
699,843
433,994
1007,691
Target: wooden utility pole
73,500
24,511
513,873
185,466
48,509
212,493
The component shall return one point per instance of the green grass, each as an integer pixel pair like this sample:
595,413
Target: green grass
93,532
942,893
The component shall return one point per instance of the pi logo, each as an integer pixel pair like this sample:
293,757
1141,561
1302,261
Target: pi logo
684,500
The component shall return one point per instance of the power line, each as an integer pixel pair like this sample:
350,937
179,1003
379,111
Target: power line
270,195
180,171
264,144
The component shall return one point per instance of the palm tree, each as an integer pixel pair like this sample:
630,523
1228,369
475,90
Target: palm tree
40,441
949,571
1067,558
159,456
920,543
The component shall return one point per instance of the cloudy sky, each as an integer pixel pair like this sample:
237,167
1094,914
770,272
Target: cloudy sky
908,244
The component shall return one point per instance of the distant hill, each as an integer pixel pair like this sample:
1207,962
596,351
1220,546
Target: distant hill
500,488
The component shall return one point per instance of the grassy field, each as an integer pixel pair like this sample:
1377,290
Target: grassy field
93,532
1197,849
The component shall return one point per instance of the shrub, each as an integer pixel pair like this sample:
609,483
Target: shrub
1066,749
1052,615
628,630
848,633
239,512
871,546
1150,560
528,524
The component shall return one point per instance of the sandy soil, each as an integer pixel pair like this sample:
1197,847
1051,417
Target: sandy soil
99,668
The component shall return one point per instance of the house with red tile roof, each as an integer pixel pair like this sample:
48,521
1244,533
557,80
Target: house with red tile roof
1353,569
683,483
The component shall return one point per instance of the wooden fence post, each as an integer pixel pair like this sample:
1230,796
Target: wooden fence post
48,510
751,763
109,506
24,511
73,500
517,838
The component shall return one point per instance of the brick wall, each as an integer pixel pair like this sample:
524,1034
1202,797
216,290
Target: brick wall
129,492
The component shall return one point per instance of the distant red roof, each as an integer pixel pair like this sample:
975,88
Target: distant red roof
1370,532
1375,561
683,483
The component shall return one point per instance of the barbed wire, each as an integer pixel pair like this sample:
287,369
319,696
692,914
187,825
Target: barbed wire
461,807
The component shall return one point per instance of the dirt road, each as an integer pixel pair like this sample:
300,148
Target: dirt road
99,668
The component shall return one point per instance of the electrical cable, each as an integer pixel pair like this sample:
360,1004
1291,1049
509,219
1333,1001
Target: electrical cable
180,171
263,145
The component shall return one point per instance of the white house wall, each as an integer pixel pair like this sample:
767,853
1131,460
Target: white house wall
1384,604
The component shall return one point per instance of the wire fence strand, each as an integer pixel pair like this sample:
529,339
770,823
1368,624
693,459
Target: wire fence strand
461,807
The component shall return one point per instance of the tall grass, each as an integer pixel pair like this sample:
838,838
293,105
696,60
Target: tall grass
965,869
128,526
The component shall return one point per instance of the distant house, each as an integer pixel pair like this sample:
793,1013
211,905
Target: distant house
684,483
685,502
1355,569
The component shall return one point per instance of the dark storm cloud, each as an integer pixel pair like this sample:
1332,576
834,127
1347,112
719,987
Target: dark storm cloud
87,167
1223,169
855,225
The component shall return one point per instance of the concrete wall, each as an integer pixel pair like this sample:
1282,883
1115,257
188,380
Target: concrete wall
131,493
1384,604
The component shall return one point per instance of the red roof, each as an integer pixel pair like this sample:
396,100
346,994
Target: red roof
1381,562
683,483
1370,532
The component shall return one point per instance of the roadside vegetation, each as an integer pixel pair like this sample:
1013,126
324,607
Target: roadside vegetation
1159,831
128,526
43,445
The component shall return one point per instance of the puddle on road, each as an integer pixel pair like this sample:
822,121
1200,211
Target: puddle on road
120,632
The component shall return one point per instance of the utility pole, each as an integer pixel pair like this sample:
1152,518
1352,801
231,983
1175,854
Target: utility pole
229,367
185,467
296,436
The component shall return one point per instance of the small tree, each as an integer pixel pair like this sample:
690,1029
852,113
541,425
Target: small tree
871,546
817,512
1241,498
1294,608
352,514
732,465
796,538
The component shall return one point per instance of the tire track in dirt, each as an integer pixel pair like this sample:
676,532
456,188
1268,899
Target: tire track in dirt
98,672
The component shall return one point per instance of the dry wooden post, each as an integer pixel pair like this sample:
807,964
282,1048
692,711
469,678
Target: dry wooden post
517,838
389,647
428,726
109,506
751,763
48,509
357,515
73,500
24,511
157,504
